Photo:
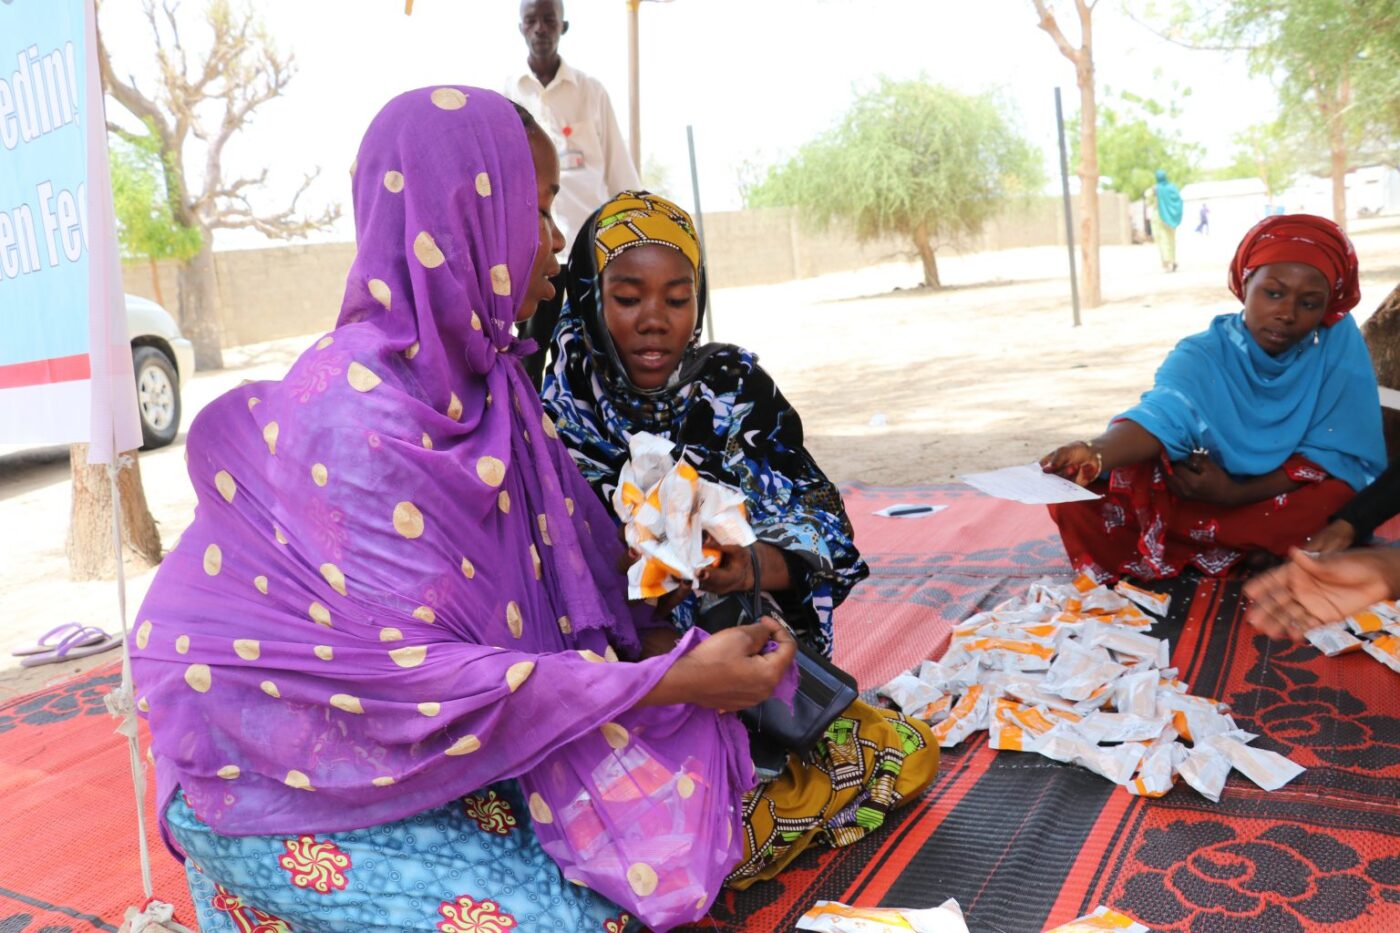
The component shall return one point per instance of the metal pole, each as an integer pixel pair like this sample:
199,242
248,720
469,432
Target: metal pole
634,84
1069,216
699,222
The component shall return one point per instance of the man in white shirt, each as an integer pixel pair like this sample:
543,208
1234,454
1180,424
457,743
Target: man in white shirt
574,109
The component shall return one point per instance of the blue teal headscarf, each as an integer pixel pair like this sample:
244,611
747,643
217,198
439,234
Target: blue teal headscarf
1169,203
1219,390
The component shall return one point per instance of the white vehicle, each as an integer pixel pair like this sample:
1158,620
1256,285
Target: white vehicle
163,360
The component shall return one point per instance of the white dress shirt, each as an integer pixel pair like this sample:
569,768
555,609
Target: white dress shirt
594,163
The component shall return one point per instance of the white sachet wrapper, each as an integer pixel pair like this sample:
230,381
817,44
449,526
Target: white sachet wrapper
1078,672
916,698
1386,650
679,491
972,713
1159,604
1117,763
1158,771
1030,693
1102,920
1099,727
1366,622
1205,769
974,622
1126,642
1333,640
833,917
953,677
722,513
1269,770
1199,717
650,458
1387,609
1136,693
1102,600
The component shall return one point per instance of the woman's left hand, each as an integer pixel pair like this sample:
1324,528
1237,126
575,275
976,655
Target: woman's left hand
733,573
1201,478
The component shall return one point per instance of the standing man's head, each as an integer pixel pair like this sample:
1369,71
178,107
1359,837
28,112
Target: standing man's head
542,23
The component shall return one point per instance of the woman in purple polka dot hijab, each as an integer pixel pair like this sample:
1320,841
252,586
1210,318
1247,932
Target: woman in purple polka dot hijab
390,642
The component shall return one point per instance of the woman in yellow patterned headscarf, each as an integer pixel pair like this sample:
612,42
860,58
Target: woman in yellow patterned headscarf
641,366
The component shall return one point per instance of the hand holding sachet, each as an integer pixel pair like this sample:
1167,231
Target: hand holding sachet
667,509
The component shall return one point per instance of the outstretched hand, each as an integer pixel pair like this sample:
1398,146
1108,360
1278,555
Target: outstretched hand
1307,592
1078,462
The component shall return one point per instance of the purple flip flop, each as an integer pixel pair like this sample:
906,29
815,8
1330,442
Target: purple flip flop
80,643
50,640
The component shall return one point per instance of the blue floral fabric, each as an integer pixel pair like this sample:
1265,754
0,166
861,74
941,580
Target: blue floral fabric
472,866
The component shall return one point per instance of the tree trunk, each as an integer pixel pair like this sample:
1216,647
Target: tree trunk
199,307
155,280
1333,107
926,254
1382,333
1336,138
1090,289
89,542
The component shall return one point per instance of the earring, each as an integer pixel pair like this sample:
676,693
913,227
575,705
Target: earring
1316,338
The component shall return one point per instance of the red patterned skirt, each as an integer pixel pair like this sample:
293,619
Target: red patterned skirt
1140,529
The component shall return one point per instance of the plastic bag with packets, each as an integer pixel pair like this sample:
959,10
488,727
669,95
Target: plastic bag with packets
667,509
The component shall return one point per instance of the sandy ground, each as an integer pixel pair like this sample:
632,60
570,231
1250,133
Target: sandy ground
895,386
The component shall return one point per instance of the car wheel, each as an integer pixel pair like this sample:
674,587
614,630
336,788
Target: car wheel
157,396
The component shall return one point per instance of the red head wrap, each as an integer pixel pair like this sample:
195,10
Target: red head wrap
1305,238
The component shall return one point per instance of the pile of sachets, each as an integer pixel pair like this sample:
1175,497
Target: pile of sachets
667,509
1069,671
1375,631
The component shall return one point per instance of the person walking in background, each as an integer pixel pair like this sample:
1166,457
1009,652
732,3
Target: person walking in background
576,112
1167,197
1204,225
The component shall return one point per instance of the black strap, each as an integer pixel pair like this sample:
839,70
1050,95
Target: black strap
755,607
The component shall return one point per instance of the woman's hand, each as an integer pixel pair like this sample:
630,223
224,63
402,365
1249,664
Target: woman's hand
728,671
732,573
1337,536
1308,592
1079,462
1201,478
665,604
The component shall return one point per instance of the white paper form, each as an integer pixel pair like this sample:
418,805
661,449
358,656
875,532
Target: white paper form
1029,484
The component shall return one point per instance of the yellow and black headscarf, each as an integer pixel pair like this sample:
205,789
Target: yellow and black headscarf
637,218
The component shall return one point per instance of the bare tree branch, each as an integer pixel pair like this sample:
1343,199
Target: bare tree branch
1048,23
1192,44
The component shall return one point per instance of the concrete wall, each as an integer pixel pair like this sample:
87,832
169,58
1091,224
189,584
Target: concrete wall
264,294
760,247
286,291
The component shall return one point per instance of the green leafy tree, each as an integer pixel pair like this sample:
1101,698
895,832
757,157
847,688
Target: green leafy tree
910,159
145,226
1333,61
1135,140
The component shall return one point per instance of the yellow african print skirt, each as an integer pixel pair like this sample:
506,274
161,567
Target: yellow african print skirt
871,762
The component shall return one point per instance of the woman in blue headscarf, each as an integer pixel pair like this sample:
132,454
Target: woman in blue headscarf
1256,430
1170,208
